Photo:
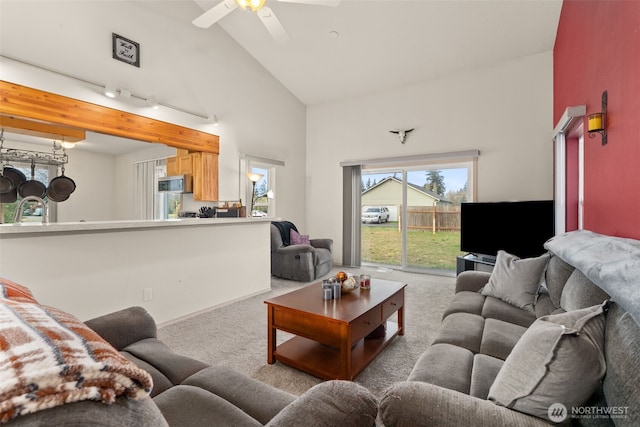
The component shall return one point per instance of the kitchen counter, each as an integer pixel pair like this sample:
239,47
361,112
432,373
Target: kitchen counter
30,228
173,268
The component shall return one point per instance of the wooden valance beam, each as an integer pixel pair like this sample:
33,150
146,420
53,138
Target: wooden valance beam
41,129
26,103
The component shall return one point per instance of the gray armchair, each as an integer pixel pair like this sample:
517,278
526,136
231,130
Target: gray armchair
303,263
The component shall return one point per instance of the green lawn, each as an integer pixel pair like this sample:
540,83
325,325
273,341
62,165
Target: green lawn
425,250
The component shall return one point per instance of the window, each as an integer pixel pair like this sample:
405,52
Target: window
148,203
264,197
31,212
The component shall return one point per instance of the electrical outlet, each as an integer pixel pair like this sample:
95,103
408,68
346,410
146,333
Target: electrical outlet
147,294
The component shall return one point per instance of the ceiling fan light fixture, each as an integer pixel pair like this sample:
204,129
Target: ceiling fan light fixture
253,5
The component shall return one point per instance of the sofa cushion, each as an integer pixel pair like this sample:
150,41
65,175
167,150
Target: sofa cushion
160,381
189,406
559,359
499,338
257,399
516,281
497,309
14,291
465,302
319,406
299,239
484,372
462,330
117,328
555,278
322,256
544,304
122,413
620,384
445,365
172,365
580,292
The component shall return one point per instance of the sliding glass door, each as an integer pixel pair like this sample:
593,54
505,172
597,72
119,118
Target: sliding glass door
432,219
411,215
381,204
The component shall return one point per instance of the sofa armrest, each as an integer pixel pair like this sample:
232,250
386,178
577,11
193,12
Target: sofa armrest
332,403
414,403
322,243
124,412
124,327
471,280
295,250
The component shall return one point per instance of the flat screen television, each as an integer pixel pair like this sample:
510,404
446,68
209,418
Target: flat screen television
520,228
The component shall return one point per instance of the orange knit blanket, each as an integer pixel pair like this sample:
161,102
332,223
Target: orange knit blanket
49,358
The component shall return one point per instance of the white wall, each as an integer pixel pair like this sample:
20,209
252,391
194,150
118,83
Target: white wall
504,111
204,71
189,268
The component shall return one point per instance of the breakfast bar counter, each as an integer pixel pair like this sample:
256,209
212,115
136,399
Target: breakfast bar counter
7,230
173,268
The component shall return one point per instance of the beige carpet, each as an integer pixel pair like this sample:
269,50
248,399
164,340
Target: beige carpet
236,335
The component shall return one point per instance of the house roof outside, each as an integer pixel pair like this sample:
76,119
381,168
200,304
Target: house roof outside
439,199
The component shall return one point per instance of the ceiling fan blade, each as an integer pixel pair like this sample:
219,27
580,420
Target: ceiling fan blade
215,14
273,25
314,2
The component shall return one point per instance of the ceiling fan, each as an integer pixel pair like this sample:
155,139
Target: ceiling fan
265,14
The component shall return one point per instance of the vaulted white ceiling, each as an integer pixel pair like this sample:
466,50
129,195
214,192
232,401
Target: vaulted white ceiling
383,45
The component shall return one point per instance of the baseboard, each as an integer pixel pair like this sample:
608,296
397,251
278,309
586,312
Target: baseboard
205,310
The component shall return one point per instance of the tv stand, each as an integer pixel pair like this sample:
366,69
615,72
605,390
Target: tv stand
475,262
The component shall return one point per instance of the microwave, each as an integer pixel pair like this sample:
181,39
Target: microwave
175,184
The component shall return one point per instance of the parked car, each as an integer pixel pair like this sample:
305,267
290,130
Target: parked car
377,214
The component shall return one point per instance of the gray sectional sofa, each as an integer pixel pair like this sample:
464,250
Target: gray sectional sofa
189,393
499,363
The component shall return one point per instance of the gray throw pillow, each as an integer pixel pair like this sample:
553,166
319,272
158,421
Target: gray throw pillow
559,359
516,281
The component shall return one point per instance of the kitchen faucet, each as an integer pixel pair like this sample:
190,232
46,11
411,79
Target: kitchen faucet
17,217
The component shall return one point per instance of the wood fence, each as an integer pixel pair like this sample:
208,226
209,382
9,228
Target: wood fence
432,218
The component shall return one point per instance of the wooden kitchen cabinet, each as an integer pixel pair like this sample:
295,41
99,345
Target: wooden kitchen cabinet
205,176
204,169
181,164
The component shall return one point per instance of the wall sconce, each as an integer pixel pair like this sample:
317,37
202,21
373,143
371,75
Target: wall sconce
596,122
254,178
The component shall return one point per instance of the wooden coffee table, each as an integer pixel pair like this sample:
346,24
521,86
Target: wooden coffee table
330,334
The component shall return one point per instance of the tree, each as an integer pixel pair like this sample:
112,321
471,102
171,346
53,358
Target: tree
435,182
457,197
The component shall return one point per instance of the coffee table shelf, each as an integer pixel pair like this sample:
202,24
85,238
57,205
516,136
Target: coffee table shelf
323,361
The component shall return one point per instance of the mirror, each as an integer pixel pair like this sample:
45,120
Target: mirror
105,180
101,166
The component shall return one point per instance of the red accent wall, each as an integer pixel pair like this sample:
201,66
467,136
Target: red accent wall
597,48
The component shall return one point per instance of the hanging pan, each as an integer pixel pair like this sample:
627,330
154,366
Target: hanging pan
6,184
32,187
60,188
9,173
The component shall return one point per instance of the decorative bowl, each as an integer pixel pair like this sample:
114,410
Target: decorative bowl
349,284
